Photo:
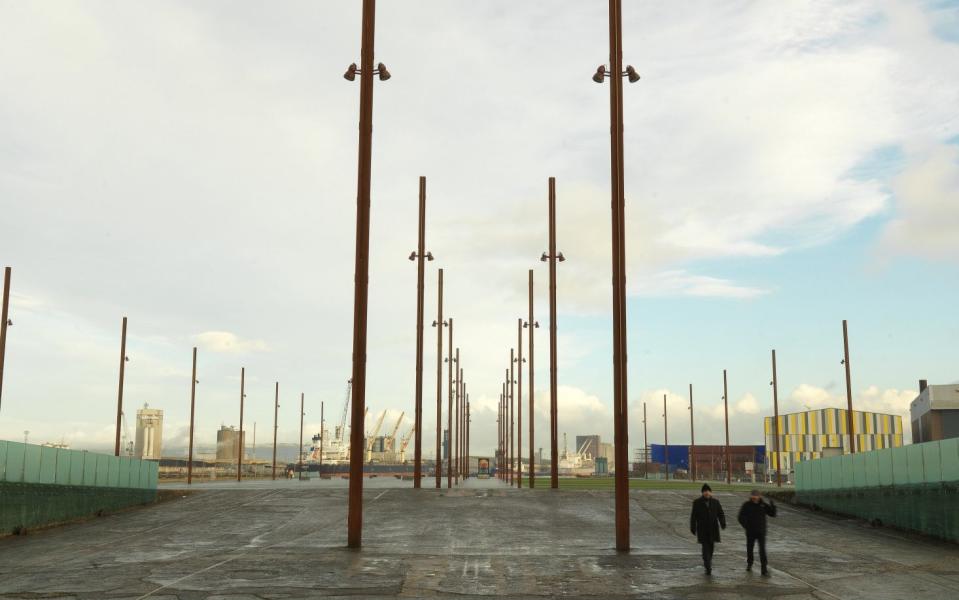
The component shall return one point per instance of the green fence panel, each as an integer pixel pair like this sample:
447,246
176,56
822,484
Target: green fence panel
848,471
31,463
835,470
900,465
63,466
814,472
859,469
125,468
153,468
144,475
949,459
113,465
15,456
76,467
89,469
916,472
3,460
101,470
885,467
931,463
802,482
872,468
48,465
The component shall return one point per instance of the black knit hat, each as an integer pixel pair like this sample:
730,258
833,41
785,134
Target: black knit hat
706,488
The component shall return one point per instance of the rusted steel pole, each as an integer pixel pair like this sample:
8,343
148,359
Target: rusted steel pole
508,411
469,426
420,287
276,414
553,377
519,403
361,278
692,437
123,361
322,435
462,433
455,431
449,411
189,460
645,446
299,452
620,425
850,423
514,475
729,464
4,322
439,323
239,457
775,384
531,324
666,436
499,437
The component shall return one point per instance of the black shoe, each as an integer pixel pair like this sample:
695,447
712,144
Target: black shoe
749,566
765,571
709,570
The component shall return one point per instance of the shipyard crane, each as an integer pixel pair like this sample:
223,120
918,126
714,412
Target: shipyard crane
372,438
340,433
405,442
390,442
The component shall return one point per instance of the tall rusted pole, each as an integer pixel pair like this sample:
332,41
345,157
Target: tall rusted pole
519,403
239,455
508,412
462,434
514,475
449,412
469,423
620,409
692,437
361,278
499,435
850,423
189,460
455,429
299,452
322,435
439,323
276,414
775,384
420,286
553,378
666,436
531,324
4,321
729,464
123,362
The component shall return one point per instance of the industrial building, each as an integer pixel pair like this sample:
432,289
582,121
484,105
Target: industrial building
229,444
824,432
149,434
935,413
588,445
706,462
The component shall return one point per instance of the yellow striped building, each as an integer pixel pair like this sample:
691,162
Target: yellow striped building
824,432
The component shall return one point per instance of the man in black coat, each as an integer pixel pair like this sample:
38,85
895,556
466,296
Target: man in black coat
705,521
752,516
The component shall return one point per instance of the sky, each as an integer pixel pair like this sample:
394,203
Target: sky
192,166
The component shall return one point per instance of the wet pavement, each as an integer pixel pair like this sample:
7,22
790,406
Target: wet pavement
286,540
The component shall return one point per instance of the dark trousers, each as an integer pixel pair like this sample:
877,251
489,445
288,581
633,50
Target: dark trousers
708,554
750,539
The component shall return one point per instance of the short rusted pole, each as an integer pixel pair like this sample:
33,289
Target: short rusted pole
777,458
239,457
276,414
729,464
692,437
850,422
299,453
519,403
666,436
4,322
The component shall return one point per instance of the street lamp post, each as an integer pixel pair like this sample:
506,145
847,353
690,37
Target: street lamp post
531,325
620,408
729,464
519,402
692,437
776,457
420,256
362,267
123,360
276,414
449,411
439,323
4,322
552,257
189,460
239,458
850,422
666,436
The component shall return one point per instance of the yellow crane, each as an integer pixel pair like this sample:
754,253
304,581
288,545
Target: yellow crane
372,438
405,442
389,444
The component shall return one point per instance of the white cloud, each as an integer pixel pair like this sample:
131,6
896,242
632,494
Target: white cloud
230,343
870,399
682,283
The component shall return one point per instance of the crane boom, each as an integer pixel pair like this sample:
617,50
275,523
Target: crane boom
392,436
372,437
405,442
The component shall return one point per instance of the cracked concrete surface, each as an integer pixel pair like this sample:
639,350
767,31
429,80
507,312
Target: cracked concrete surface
285,540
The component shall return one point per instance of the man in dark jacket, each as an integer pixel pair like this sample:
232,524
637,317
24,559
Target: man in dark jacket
752,516
705,521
